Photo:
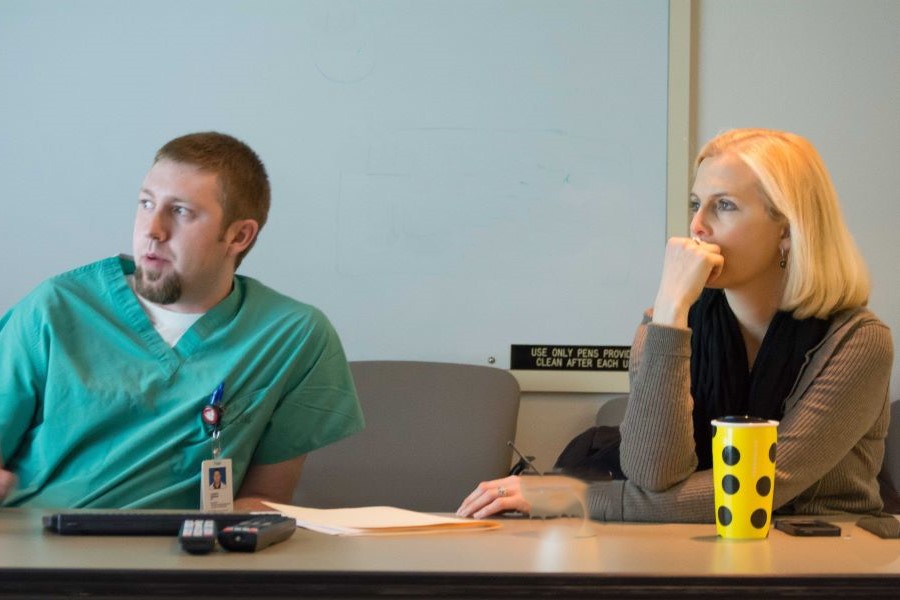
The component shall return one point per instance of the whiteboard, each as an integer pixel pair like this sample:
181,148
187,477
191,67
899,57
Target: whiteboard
449,177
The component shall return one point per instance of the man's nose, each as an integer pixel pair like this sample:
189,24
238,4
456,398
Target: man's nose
157,227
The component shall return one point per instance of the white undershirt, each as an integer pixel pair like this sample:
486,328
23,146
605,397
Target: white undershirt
169,324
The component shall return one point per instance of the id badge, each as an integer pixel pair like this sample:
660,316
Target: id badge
216,491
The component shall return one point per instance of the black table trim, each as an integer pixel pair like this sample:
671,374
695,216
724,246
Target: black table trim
156,584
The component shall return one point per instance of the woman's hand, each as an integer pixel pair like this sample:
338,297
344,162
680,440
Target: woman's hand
492,497
689,266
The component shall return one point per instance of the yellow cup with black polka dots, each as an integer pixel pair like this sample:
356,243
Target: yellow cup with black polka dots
743,451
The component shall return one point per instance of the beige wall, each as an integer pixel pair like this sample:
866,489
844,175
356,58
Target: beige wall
826,69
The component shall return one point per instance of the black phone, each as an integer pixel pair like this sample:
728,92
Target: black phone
807,527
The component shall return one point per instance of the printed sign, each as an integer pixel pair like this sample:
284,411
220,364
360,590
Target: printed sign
569,358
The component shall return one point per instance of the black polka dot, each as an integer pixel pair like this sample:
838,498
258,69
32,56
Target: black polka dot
759,518
772,452
724,516
731,455
714,430
730,484
764,486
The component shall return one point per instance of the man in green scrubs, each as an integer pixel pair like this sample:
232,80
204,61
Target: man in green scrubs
117,379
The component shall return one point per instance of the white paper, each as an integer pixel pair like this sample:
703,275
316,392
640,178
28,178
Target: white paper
375,520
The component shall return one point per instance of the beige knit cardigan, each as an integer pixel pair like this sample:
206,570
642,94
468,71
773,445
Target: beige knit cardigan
830,441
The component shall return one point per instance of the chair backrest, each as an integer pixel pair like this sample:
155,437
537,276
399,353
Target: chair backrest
889,478
612,411
433,431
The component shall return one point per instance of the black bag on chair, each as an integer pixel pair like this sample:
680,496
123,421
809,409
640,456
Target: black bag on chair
592,455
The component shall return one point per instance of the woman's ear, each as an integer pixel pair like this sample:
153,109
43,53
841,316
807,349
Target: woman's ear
785,243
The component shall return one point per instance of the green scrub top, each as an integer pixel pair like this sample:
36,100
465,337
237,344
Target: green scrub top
96,410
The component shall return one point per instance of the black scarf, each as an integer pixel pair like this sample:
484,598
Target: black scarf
721,382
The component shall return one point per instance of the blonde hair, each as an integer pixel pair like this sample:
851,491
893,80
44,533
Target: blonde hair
825,271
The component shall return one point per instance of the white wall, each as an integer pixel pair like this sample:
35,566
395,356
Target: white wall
826,69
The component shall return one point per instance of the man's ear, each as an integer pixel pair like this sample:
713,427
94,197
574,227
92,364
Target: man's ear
240,235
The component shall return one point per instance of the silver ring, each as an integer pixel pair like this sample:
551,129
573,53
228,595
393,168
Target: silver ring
501,492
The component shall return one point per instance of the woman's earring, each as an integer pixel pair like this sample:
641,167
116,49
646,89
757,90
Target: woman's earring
783,262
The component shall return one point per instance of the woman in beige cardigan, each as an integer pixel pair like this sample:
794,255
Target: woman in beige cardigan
761,312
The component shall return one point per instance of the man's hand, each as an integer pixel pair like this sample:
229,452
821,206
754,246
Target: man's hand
7,482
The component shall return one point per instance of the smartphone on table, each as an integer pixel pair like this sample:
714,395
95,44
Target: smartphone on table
808,527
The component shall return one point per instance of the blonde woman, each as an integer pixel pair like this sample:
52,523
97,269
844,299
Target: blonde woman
760,312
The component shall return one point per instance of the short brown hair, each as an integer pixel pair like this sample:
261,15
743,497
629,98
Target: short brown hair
242,175
825,271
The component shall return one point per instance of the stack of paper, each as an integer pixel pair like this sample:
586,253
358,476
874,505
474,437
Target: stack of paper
376,520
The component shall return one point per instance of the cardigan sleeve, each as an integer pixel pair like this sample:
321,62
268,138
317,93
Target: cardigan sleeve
657,448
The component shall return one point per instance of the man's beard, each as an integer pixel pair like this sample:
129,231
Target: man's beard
156,287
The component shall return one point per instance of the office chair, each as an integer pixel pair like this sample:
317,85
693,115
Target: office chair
889,477
433,431
612,411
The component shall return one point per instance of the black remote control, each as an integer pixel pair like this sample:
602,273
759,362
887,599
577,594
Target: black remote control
198,536
257,533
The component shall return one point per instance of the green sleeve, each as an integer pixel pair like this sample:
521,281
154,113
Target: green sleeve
22,376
